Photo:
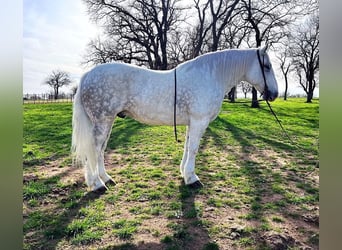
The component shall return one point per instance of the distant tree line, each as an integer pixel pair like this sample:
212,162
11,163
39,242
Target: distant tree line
48,98
159,34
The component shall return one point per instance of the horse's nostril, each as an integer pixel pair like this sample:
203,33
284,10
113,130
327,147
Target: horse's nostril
272,98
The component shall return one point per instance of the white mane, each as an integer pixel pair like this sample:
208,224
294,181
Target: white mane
227,66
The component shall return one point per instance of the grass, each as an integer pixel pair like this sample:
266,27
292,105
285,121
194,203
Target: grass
125,229
47,130
254,178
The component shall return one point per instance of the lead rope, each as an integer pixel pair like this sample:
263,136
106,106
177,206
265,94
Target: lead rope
174,107
274,114
281,126
289,138
268,104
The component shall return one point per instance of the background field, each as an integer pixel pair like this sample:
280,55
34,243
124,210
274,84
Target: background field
261,191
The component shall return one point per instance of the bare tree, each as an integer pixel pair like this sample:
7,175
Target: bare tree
285,65
136,30
245,87
201,29
180,48
222,14
305,53
110,49
213,17
56,80
267,20
236,32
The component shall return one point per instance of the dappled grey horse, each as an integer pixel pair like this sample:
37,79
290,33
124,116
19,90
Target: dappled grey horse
149,97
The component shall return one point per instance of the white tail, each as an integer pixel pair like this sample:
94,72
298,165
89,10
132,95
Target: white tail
83,146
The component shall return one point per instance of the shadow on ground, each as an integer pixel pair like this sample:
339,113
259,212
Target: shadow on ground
188,233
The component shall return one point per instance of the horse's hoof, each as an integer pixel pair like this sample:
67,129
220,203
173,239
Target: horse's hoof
121,115
196,185
110,182
100,190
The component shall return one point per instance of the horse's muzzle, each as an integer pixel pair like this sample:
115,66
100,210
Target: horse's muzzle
270,96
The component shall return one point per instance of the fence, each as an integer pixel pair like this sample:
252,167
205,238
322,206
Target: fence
47,98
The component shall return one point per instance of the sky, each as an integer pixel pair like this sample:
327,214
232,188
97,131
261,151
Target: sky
55,36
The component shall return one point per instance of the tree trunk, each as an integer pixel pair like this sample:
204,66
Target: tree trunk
286,86
232,94
255,103
309,96
310,88
56,93
163,35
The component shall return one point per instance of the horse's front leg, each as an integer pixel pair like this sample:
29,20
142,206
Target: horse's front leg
196,130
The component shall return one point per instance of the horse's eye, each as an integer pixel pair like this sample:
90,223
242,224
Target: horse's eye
267,67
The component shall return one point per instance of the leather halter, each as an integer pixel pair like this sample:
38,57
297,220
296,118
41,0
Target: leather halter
263,73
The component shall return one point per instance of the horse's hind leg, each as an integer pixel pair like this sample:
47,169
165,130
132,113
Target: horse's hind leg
102,133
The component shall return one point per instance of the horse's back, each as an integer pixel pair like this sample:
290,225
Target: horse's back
116,74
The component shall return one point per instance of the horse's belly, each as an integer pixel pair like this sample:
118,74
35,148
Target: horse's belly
159,113
159,118
155,108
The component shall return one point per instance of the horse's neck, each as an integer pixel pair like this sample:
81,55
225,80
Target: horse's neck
231,66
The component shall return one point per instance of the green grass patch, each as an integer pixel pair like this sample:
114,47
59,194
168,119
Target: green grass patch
125,229
35,189
47,132
252,175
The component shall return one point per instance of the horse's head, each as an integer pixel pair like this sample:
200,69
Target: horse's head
261,75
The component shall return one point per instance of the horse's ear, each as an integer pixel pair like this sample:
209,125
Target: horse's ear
264,49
